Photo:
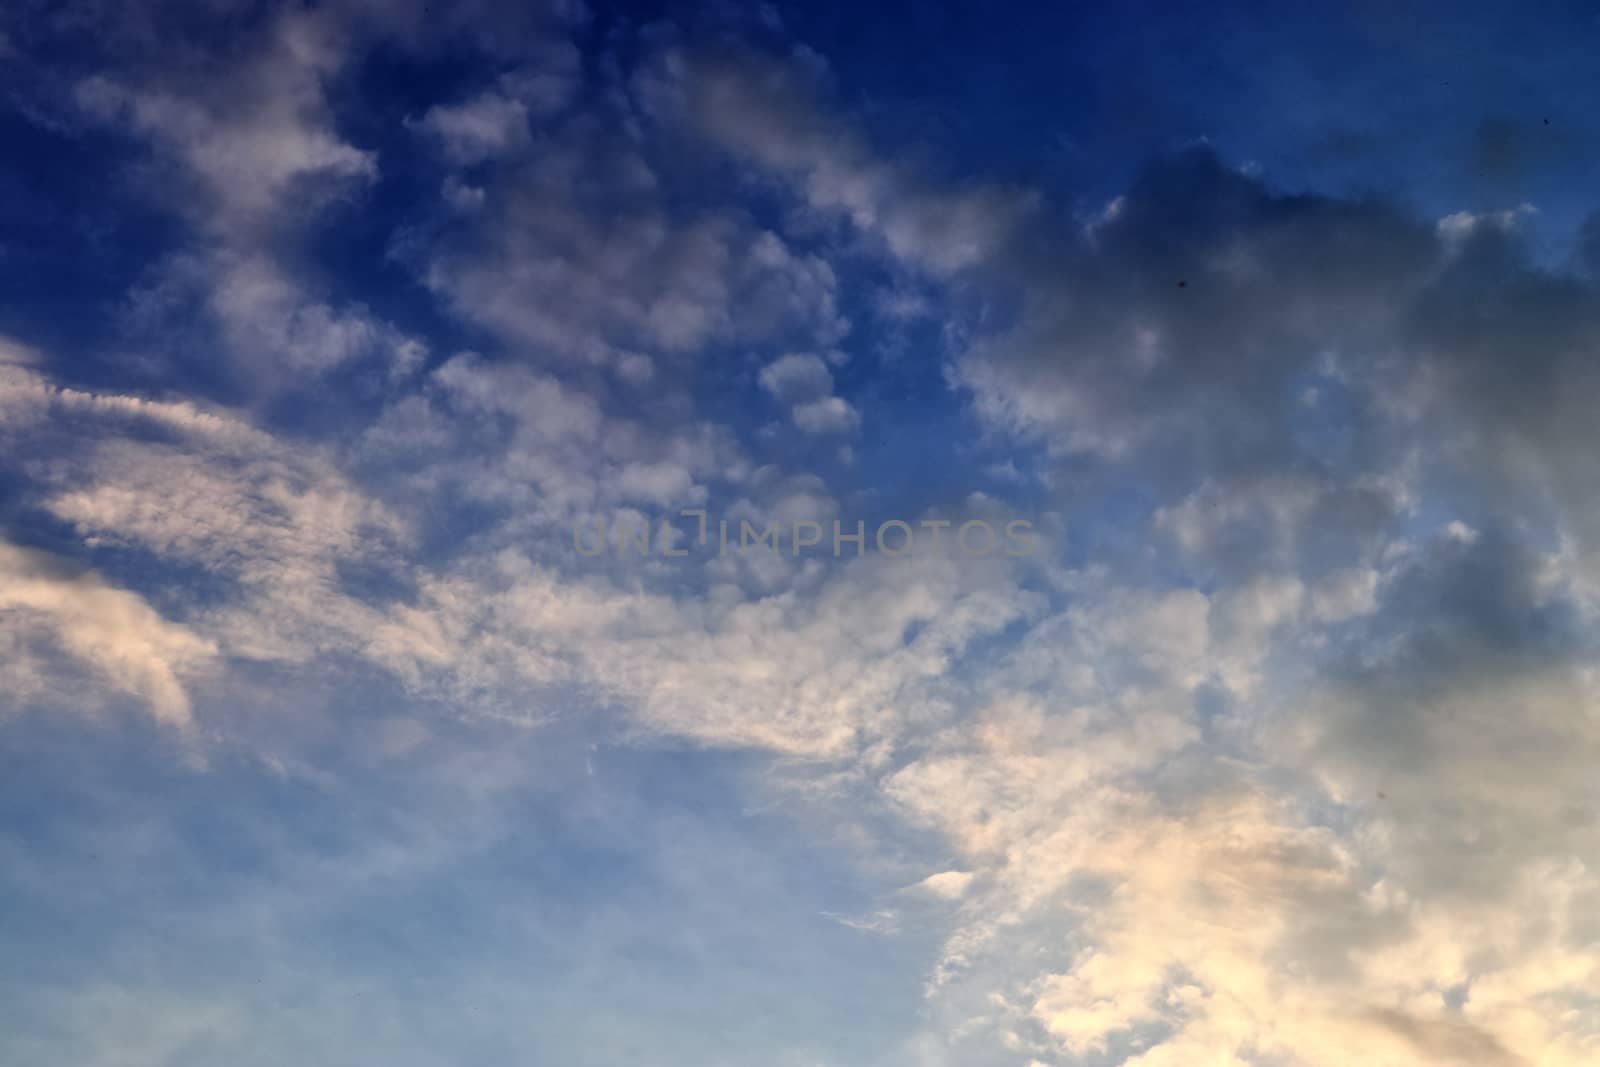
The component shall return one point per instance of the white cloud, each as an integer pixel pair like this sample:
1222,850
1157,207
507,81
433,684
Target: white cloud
269,318
111,630
253,136
797,377
803,381
559,280
946,885
828,415
481,128
16,353
1460,225
768,111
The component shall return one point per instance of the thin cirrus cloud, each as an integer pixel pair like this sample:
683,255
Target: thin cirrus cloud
332,746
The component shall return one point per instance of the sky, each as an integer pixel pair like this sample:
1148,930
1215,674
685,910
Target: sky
556,534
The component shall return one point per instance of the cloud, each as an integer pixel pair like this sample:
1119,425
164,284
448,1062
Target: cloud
803,381
209,490
113,631
496,121
1163,892
946,885
773,113
253,137
478,129
248,152
1460,225
796,377
17,354
559,279
828,415
1281,755
1191,312
268,318
812,667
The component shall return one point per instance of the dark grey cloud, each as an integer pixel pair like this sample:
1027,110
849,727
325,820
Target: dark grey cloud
1193,315
1506,351
1459,719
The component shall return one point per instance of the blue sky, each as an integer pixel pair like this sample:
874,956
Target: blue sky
327,330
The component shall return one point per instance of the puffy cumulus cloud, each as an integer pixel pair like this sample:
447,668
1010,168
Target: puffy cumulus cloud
571,254
278,332
561,461
234,107
831,414
478,129
249,134
1188,323
238,97
797,376
275,333
803,381
113,631
496,121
